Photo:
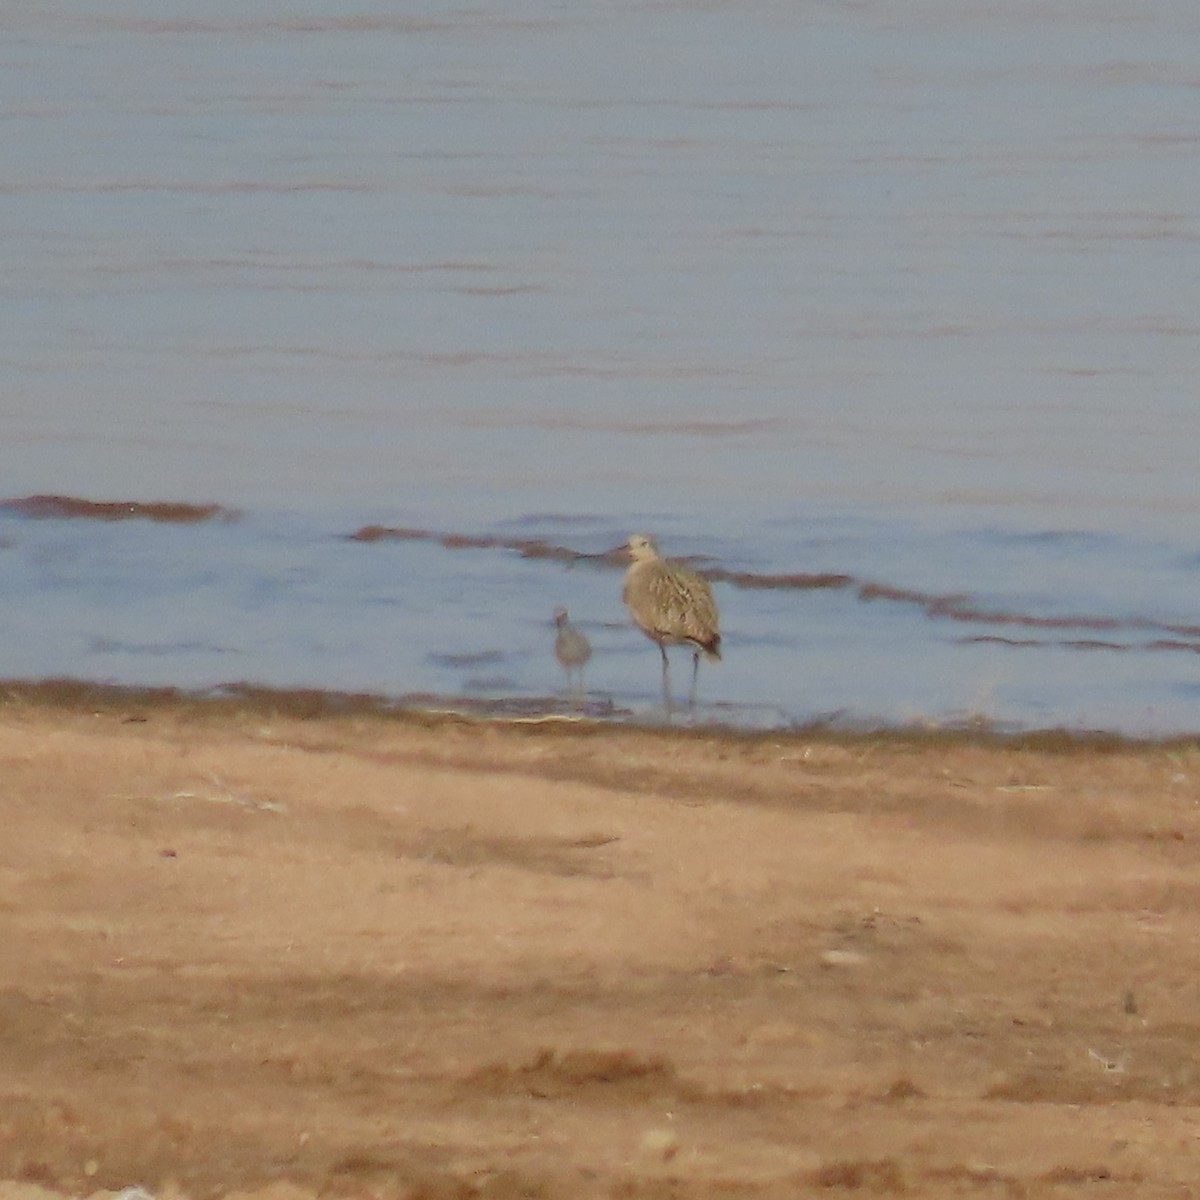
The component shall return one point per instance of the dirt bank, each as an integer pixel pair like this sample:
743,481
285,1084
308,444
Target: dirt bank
244,951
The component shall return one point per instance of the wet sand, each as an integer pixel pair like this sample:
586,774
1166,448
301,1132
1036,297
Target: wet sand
250,949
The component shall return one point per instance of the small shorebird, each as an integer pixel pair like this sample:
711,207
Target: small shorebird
670,604
571,648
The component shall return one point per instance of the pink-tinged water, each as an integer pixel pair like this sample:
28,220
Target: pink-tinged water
903,297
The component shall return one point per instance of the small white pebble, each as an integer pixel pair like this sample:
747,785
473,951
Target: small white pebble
843,958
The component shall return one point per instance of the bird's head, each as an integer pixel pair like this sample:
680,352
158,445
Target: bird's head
641,547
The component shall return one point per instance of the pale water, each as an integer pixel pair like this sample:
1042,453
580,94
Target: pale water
904,294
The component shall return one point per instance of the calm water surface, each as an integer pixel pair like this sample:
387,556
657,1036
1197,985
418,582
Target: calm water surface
906,297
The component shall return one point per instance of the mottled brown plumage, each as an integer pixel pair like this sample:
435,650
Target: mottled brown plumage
671,605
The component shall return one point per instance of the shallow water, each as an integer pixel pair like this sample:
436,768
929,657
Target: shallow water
800,290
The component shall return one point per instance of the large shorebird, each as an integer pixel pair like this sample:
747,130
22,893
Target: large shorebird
571,648
670,605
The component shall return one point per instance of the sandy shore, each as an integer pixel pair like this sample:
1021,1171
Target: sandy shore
245,951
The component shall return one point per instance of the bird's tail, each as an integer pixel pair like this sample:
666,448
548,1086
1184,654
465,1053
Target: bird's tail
713,648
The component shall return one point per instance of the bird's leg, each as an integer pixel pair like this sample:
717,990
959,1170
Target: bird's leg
666,680
695,672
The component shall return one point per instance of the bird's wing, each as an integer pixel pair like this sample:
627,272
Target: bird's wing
672,602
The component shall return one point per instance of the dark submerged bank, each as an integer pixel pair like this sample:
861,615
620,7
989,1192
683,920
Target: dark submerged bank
959,607
174,512
534,718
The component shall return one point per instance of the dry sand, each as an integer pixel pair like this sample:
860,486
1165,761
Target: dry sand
248,952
